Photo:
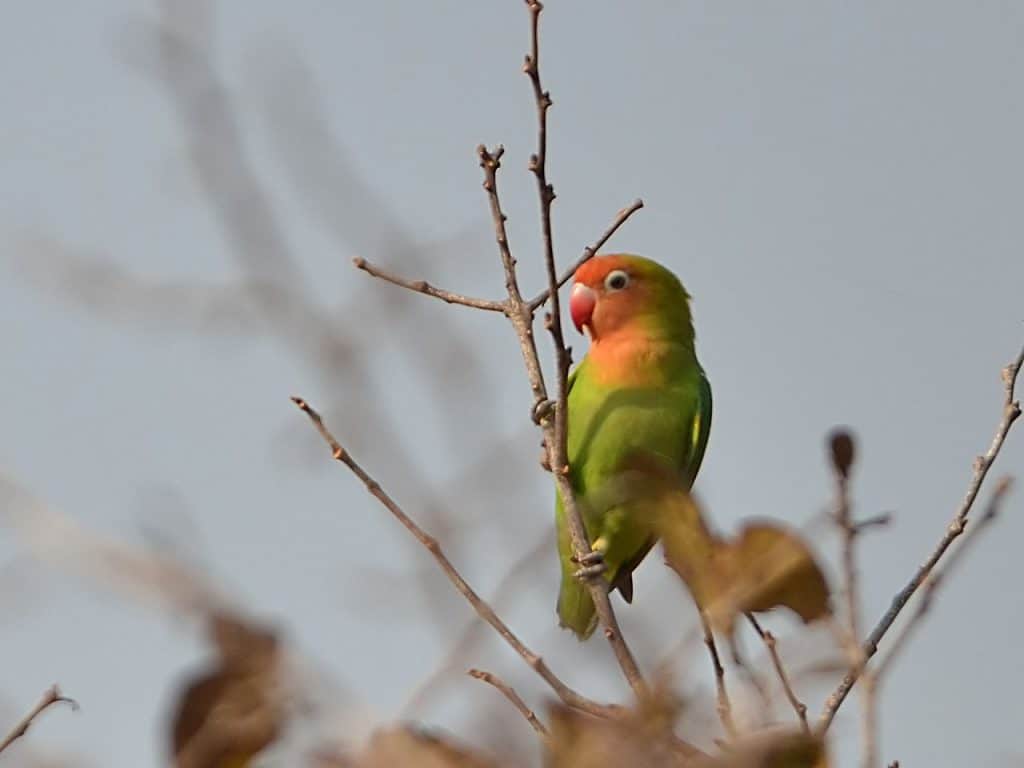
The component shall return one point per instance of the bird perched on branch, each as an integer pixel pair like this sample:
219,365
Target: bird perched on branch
638,391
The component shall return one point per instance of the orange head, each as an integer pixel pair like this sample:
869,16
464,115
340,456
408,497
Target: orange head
626,294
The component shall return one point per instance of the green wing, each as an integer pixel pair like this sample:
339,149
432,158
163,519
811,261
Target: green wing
697,442
701,430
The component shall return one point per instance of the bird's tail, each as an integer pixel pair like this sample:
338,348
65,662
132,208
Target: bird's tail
576,609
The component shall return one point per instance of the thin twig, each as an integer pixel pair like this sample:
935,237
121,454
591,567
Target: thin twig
843,454
422,286
555,434
50,697
722,695
772,645
510,694
565,693
1010,412
589,251
842,450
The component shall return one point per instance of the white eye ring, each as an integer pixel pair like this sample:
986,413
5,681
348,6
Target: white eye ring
616,280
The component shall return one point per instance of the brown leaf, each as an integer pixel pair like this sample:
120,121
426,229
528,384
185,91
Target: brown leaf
234,709
765,566
779,749
769,567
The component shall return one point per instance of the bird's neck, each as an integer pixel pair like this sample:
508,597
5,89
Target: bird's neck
650,359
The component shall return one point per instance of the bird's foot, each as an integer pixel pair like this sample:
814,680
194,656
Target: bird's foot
592,565
541,410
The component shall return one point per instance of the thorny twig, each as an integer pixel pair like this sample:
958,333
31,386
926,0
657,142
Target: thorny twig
50,697
509,693
565,693
1010,412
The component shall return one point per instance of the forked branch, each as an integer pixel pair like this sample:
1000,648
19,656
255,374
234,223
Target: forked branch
564,692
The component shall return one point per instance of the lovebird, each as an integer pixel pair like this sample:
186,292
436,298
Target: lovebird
638,391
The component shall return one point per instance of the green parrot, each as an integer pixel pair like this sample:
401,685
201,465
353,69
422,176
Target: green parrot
639,390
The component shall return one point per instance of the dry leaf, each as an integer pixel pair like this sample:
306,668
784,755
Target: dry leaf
235,709
785,749
765,566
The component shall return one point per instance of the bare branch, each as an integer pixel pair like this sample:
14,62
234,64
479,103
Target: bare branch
565,693
554,433
50,697
422,286
1010,413
771,644
589,251
509,693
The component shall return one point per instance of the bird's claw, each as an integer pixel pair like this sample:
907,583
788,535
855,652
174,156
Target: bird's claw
592,565
541,410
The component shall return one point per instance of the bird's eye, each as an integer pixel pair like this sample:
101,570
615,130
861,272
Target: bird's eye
616,280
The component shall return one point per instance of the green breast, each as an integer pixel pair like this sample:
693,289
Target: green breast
610,425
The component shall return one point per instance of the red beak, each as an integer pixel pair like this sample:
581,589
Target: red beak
581,305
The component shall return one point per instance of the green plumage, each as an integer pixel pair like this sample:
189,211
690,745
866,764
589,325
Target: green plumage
639,390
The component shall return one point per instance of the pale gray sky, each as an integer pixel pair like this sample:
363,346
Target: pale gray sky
838,185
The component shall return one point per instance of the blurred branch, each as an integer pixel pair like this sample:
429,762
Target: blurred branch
565,693
771,644
470,633
55,538
50,697
589,251
723,704
509,693
1010,412
422,286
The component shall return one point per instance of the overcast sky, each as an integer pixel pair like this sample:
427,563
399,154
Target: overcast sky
837,184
